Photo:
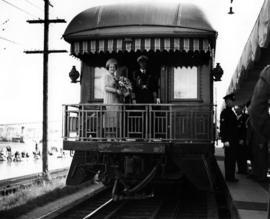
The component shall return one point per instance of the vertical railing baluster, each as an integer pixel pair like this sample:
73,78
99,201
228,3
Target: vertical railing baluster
93,130
83,123
166,124
153,122
120,121
134,127
68,123
87,124
124,123
64,121
90,116
96,120
79,121
171,124
102,122
160,125
148,122
128,124
192,120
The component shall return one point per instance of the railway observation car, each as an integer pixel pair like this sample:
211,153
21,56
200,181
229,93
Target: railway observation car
155,142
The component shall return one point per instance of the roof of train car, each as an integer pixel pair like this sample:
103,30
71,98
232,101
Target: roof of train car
254,58
139,19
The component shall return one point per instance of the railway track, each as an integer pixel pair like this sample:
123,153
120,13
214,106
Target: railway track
12,185
94,204
171,202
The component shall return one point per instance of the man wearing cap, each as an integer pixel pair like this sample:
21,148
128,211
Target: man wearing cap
229,137
145,89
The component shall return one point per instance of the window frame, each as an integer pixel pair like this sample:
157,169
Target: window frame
92,85
171,89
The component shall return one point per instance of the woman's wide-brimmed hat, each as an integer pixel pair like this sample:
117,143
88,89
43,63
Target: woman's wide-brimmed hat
111,61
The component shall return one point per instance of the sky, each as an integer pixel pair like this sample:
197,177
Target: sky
21,74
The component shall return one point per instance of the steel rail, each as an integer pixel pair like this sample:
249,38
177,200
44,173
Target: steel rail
98,209
61,210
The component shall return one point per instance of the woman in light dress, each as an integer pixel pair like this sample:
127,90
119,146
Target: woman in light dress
111,96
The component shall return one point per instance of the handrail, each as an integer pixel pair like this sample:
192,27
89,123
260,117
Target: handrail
140,104
147,122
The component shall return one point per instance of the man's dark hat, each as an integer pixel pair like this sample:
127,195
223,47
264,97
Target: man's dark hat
142,58
230,96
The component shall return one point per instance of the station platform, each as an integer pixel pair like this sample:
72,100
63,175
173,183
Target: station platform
249,197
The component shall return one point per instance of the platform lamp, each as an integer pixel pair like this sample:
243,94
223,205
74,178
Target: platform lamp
217,72
231,11
74,75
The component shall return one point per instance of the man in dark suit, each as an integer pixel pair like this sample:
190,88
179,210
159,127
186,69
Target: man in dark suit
144,84
241,159
144,92
229,137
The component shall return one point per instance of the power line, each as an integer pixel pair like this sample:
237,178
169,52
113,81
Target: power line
18,8
31,3
11,41
36,6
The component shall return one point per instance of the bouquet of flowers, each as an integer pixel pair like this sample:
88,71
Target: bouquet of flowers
124,85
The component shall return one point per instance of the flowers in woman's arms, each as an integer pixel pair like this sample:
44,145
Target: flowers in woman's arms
124,85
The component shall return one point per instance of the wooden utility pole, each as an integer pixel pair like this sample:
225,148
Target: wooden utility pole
45,53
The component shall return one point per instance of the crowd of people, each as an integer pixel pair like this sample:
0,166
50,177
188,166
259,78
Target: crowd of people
244,131
7,154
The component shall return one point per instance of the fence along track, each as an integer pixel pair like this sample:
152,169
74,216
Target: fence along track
15,184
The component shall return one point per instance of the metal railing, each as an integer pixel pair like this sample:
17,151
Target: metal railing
137,122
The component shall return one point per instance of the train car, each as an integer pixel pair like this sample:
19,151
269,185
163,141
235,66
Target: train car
153,142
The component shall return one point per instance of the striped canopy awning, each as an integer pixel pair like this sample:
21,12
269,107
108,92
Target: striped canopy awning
140,44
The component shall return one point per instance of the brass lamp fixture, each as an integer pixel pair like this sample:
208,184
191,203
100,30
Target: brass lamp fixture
217,72
74,75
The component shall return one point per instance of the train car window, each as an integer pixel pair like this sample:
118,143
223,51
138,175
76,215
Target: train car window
185,83
98,82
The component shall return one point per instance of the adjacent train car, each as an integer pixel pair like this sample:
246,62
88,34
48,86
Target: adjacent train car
163,142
